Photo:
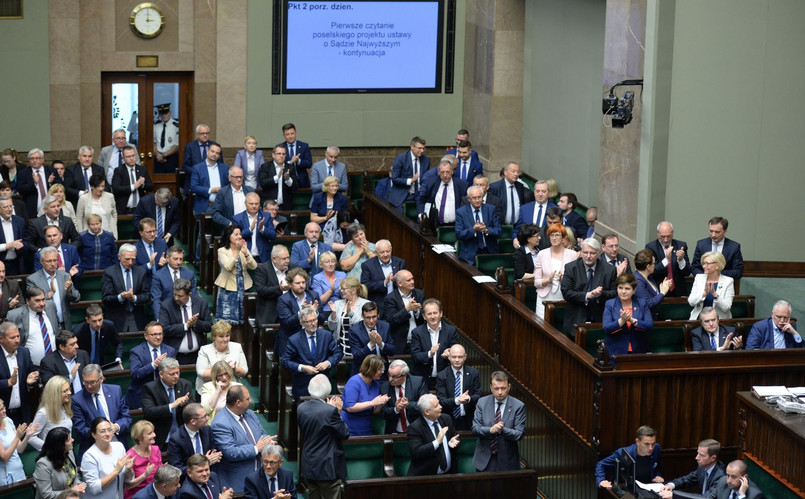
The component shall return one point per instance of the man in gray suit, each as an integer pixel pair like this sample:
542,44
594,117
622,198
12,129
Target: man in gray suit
499,423
329,167
735,484
59,285
111,156
37,322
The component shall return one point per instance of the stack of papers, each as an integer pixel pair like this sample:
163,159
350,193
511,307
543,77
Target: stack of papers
443,248
764,392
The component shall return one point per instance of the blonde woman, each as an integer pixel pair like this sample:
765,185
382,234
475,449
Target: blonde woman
346,312
57,191
327,283
221,348
55,410
213,392
249,160
712,288
146,456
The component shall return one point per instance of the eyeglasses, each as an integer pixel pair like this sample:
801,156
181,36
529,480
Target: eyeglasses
105,431
93,382
270,463
311,321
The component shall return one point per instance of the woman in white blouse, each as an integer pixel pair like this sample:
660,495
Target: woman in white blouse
249,159
347,311
220,349
105,465
549,268
55,410
97,201
712,289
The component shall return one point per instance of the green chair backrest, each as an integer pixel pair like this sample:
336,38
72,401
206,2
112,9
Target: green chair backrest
766,482
464,454
90,287
301,199
446,234
364,460
410,210
505,245
666,339
402,458
673,311
487,264
591,340
125,229
506,232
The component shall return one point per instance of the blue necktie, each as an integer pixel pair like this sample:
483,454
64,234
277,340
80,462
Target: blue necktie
456,394
539,216
160,223
482,242
198,444
99,406
129,304
313,353
713,341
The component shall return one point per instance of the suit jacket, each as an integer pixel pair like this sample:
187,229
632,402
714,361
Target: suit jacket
19,316
40,280
192,156
160,248
74,179
268,289
256,486
429,190
148,492
36,232
579,226
85,410
319,172
106,156
298,353
180,447
265,236
731,251
200,185
142,371
10,289
305,160
87,252
318,204
53,365
471,240
147,208
20,233
761,336
121,185
722,491
619,258
239,456
661,271
420,345
29,190
359,341
156,407
513,418
398,317
697,477
401,170
647,293
415,387
322,430
523,262
700,339
242,161
300,251
162,285
172,320
527,212
574,291
475,168
725,290
223,210
619,338
499,190
109,339
271,188
372,276
288,314
445,390
24,368
84,207
424,458
113,283
191,490
69,258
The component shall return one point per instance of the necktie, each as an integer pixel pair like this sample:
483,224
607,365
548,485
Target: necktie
456,394
99,406
539,216
251,439
713,341
160,223
464,170
162,139
172,399
329,174
671,271
493,445
715,247
199,450
315,256
443,203
204,151
120,157
589,279
155,354
61,261
135,195
733,495
45,335
313,352
293,149
403,415
41,184
175,275
482,242
614,263
416,171
273,484
442,456
86,178
186,314
151,252
95,348
207,491
129,304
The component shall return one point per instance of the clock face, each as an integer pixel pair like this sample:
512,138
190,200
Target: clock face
146,20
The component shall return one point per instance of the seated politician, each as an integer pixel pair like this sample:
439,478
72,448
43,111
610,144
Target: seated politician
646,453
711,336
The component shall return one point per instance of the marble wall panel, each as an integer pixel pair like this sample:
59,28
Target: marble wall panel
65,110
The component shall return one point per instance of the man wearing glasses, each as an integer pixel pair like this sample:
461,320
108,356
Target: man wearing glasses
126,291
231,199
310,352
144,362
193,437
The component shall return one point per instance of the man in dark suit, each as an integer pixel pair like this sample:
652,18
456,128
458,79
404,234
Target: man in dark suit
459,388
705,476
469,166
33,183
144,360
10,293
197,151
201,483
77,175
66,361
719,242
125,290
68,259
186,321
263,483
672,253
377,273
568,203
710,334
477,227
402,309
432,440
513,193
208,178
309,352
193,437
306,253
270,283
151,250
297,152
553,215
130,183
163,279
499,423
483,182
98,336
404,390
440,197
370,336
17,374
329,167
735,483
610,256
587,284
256,228
58,286
278,179
13,239
99,400
430,342
776,332
407,171
231,199
322,430
289,305
163,207
163,400
52,216
167,481
536,211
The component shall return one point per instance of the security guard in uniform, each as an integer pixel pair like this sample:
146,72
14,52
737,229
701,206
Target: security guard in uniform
166,141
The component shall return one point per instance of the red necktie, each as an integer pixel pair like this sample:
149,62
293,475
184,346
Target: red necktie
671,271
403,418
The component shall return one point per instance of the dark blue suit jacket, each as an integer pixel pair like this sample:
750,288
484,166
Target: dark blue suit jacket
200,185
401,170
305,161
192,157
731,252
618,338
30,191
84,411
527,215
700,339
257,484
190,490
359,340
160,248
647,294
288,315
420,345
661,271
297,352
238,452
430,188
18,227
142,371
471,240
300,251
70,258
578,224
170,316
114,283
318,203
608,463
24,367
108,253
265,237
499,189
180,447
372,277
761,336
147,208
475,168
223,210
109,338
162,285
696,477
148,492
